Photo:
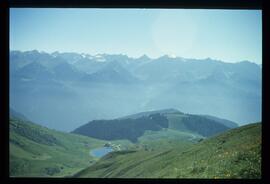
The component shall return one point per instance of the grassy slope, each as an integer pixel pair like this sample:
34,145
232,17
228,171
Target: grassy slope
233,154
167,138
39,151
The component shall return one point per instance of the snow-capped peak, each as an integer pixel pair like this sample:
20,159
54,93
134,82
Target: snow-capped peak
99,58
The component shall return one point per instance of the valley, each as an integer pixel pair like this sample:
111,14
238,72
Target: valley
113,116
174,151
211,158
130,93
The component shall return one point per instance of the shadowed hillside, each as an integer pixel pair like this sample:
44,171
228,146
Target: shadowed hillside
134,126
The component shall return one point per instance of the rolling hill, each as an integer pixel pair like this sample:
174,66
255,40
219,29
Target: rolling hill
165,147
134,126
233,154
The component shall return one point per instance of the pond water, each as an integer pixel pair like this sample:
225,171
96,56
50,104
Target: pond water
100,152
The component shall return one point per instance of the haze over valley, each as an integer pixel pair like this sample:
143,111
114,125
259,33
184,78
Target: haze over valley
66,90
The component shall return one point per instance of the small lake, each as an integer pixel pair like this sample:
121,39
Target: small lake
100,152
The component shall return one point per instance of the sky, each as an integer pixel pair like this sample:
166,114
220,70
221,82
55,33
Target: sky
227,35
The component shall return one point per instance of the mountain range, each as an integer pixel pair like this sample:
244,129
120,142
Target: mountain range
65,90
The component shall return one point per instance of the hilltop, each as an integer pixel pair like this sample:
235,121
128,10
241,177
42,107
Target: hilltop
134,126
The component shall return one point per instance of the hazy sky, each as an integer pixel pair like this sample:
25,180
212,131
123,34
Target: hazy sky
228,35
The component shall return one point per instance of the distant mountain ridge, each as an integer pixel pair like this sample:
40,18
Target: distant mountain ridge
112,72
89,87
